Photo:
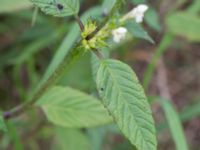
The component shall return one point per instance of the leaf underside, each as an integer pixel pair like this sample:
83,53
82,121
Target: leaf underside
58,8
124,97
67,107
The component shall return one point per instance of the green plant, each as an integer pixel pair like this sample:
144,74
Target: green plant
73,93
117,85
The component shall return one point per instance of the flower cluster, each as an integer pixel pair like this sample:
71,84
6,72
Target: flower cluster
118,33
95,42
136,13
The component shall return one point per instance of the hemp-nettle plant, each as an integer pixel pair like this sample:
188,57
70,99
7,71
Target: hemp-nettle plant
121,98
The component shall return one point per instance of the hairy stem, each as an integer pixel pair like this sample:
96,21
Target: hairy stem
80,23
98,53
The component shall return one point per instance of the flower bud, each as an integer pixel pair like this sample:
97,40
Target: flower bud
119,34
137,13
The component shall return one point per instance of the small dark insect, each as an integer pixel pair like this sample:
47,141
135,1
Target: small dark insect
102,89
60,6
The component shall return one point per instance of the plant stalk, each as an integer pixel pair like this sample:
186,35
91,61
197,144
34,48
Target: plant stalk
80,23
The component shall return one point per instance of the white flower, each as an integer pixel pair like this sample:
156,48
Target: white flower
137,13
119,34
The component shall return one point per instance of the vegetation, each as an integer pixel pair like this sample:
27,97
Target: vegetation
95,75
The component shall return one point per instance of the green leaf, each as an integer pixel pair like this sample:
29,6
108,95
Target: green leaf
108,4
190,112
58,8
175,125
71,139
124,97
14,136
194,8
152,19
32,49
95,62
79,78
137,31
97,137
71,108
187,114
11,5
184,24
2,123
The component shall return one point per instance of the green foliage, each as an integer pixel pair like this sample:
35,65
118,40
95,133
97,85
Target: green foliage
194,8
118,86
138,1
79,78
11,5
96,137
2,124
71,108
187,114
95,62
14,136
184,24
165,42
32,49
68,42
124,97
58,8
108,4
190,112
174,125
152,19
71,139
137,31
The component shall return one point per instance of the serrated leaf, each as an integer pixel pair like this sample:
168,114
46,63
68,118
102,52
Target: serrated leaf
124,97
67,107
58,8
175,125
2,123
137,31
11,5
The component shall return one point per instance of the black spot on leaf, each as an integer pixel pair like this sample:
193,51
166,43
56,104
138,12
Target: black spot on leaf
60,6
